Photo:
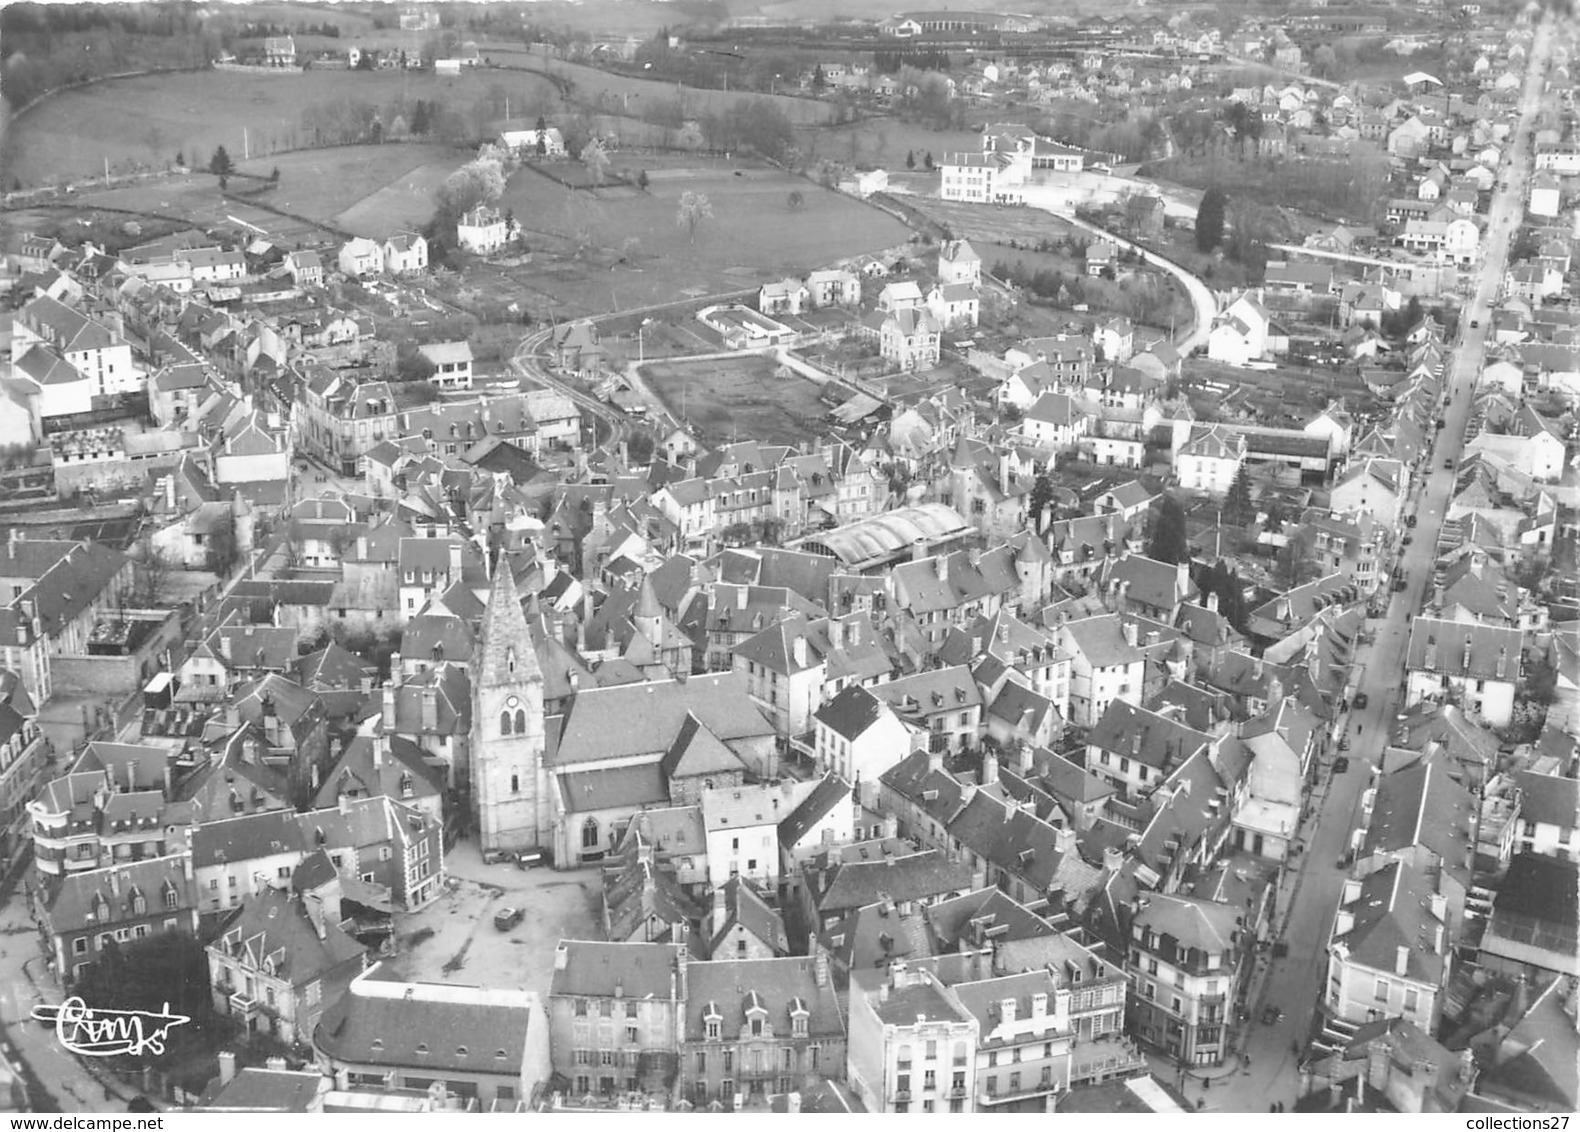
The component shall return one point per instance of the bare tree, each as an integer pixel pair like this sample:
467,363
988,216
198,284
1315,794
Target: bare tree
596,160
694,209
797,200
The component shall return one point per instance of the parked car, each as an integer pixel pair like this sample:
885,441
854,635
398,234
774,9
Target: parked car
1341,764
1410,522
1360,701
1449,464
1271,1015
507,918
1475,324
1407,540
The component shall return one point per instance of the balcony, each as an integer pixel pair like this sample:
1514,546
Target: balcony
902,1096
243,1004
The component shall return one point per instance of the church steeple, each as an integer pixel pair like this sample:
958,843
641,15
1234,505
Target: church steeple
507,653
508,778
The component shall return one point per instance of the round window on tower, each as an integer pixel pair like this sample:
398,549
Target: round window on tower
512,702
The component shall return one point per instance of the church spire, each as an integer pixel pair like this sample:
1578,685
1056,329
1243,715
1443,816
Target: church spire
508,656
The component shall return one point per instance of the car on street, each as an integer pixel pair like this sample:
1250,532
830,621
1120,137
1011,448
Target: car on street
1449,463
1360,701
1406,540
1411,521
1475,324
1341,764
1399,584
1272,1015
507,918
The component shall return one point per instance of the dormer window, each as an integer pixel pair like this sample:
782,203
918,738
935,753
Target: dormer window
139,905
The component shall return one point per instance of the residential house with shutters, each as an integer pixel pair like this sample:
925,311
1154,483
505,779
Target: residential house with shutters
958,262
859,736
1390,953
96,351
835,287
1549,812
912,1043
1136,749
756,1028
360,256
1106,664
1476,665
617,1016
282,958
489,1047
797,665
1210,459
406,253
909,338
341,420
1186,959
80,914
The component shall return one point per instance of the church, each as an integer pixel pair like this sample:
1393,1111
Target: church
570,783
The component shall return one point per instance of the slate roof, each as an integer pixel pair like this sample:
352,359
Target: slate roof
917,876
1391,912
831,792
300,944
732,988
593,969
608,723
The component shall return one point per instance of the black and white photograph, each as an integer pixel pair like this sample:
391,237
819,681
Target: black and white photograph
677,557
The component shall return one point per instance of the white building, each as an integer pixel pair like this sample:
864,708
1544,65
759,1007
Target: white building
483,230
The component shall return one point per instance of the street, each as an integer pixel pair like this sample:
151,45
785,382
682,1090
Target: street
1295,982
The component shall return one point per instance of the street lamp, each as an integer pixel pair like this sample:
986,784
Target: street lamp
639,330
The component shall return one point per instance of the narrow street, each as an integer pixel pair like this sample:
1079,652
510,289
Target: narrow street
1295,982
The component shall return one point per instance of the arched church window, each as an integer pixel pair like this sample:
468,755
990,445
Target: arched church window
590,833
504,723
521,722
515,784
510,659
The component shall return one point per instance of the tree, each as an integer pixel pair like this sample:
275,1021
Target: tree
819,79
220,164
641,180
1209,219
1324,62
274,175
1166,539
1041,500
477,182
796,200
221,553
421,118
596,159
910,159
1238,509
411,364
693,210
928,161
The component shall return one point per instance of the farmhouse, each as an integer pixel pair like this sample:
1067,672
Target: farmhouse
279,51
547,142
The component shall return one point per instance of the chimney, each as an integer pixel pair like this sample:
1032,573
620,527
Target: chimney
1465,662
1401,963
1212,603
389,705
919,550
1007,1009
1130,633
275,1064
935,759
1025,764
891,826
793,1103
720,908
1063,840
1256,668
362,548
455,560
227,1067
115,883
740,597
1503,661
941,561
798,651
224,645
430,709
1113,859
381,748
819,966
1039,1004
1439,904
989,767
562,956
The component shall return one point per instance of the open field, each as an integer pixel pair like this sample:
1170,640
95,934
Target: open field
370,190
733,398
882,143
753,236
151,119
629,94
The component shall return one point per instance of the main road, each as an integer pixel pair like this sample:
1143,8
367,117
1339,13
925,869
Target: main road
1296,982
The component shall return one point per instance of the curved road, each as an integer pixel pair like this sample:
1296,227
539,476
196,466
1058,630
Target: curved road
1296,982
1202,300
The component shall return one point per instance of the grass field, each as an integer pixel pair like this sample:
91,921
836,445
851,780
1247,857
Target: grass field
152,118
753,235
738,397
